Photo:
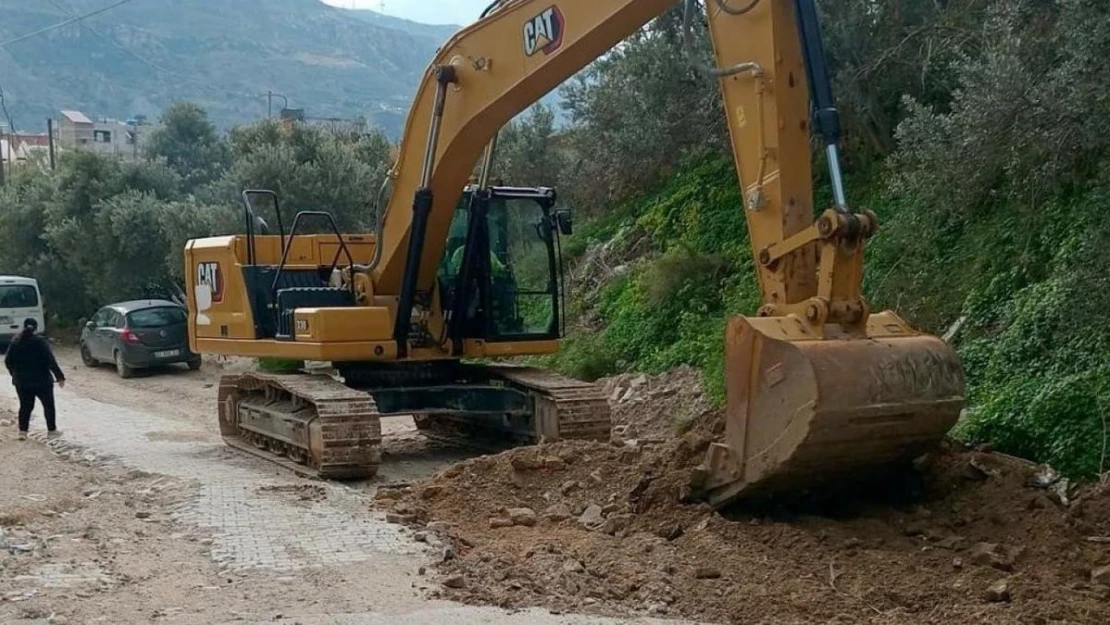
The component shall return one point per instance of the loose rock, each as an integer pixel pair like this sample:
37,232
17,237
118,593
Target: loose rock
999,592
399,519
592,516
616,523
573,566
707,572
554,463
431,492
455,581
1101,575
523,516
557,513
526,462
500,522
990,554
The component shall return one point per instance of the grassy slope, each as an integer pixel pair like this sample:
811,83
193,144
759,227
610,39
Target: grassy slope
1034,345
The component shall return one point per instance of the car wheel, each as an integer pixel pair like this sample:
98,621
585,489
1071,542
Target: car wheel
194,365
86,357
122,369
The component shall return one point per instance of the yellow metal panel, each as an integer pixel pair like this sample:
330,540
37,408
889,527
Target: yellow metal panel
338,325
484,349
212,263
297,350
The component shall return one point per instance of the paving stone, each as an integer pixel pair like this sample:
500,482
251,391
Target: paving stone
250,529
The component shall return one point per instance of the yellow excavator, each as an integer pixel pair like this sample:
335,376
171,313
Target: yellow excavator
460,273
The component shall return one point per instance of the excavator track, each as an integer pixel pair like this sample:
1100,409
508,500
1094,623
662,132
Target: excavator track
563,409
311,424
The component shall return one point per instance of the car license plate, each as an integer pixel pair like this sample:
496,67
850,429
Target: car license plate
170,353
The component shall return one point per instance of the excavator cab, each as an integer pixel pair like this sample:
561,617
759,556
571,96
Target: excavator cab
501,275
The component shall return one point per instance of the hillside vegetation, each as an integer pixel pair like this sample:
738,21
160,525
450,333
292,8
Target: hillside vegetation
976,129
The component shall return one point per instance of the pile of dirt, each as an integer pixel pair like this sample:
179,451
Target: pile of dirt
603,528
655,408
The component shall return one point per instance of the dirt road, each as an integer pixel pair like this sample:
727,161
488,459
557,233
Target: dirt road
141,515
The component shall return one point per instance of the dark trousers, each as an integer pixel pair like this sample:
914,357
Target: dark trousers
27,395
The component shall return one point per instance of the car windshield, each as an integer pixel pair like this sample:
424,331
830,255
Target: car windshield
155,317
18,296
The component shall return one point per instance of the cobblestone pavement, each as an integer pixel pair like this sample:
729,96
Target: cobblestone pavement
250,529
258,527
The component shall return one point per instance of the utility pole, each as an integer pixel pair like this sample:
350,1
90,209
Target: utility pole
3,156
270,95
50,139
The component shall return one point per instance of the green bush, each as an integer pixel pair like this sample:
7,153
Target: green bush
279,365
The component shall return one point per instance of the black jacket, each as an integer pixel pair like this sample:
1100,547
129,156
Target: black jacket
31,361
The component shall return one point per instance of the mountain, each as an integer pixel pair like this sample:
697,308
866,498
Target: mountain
438,32
223,54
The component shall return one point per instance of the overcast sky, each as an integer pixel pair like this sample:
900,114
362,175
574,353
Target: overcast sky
426,11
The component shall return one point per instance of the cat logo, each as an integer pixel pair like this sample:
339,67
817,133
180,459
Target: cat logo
544,32
209,275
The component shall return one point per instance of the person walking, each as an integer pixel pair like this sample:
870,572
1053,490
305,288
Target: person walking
34,371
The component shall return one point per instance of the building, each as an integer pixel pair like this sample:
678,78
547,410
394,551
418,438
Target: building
20,147
110,137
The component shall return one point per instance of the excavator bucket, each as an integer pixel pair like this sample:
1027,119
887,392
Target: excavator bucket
806,410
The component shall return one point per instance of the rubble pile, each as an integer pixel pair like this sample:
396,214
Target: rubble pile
590,527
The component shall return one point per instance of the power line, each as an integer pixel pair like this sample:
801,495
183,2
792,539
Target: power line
76,18
159,68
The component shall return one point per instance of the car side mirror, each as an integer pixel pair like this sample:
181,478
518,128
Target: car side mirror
86,322
565,221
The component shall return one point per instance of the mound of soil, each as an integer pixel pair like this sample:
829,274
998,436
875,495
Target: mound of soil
656,407
603,528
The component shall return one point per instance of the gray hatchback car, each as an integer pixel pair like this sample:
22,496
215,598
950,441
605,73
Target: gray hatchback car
138,335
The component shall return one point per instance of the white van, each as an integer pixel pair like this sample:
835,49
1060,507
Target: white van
19,299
